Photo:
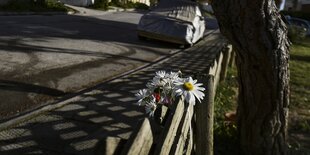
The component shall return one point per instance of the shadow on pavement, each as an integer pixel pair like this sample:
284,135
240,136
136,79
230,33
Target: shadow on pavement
70,27
30,37
24,87
108,110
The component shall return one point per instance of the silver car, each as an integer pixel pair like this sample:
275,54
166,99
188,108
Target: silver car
175,21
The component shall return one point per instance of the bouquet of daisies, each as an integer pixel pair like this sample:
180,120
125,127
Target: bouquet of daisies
165,87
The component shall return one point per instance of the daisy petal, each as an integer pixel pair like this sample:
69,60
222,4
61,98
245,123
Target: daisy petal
191,98
199,95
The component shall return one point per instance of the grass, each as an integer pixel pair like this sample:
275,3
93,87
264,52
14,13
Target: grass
34,6
130,4
225,135
104,5
299,124
100,5
300,75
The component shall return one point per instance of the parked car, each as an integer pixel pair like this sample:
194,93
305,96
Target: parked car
178,21
300,23
206,7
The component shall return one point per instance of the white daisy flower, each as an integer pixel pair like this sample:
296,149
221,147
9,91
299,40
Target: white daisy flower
141,96
150,107
170,80
190,89
156,82
174,75
160,74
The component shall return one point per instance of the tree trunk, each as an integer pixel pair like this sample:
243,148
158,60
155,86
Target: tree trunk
259,37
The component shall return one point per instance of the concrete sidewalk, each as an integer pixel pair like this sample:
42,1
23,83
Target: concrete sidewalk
79,125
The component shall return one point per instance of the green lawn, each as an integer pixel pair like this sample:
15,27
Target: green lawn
104,5
299,123
300,75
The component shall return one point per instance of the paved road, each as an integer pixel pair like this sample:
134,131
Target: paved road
44,58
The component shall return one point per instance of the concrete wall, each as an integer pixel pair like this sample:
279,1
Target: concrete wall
78,2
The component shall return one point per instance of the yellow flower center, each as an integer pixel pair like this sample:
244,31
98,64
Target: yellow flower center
188,86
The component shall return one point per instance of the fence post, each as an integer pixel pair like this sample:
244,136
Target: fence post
226,57
204,117
168,134
140,142
232,58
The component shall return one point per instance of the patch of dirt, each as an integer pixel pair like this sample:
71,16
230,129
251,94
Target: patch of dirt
299,131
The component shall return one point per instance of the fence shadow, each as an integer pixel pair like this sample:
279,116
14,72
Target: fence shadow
108,110
41,51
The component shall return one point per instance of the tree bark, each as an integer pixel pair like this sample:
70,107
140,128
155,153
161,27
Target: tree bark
259,37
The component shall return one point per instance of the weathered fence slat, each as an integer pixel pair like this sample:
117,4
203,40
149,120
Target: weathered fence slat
168,134
140,142
183,132
190,144
226,59
111,145
213,68
204,118
232,58
186,129
218,69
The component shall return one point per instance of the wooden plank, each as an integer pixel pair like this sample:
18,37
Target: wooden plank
190,144
226,58
204,118
212,69
183,130
218,70
140,141
169,132
111,146
232,57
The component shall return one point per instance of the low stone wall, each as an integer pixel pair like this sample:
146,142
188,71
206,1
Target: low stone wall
78,2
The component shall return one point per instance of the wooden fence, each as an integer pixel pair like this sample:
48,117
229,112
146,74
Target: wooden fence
183,129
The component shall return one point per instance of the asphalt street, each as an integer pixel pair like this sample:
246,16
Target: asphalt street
44,58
